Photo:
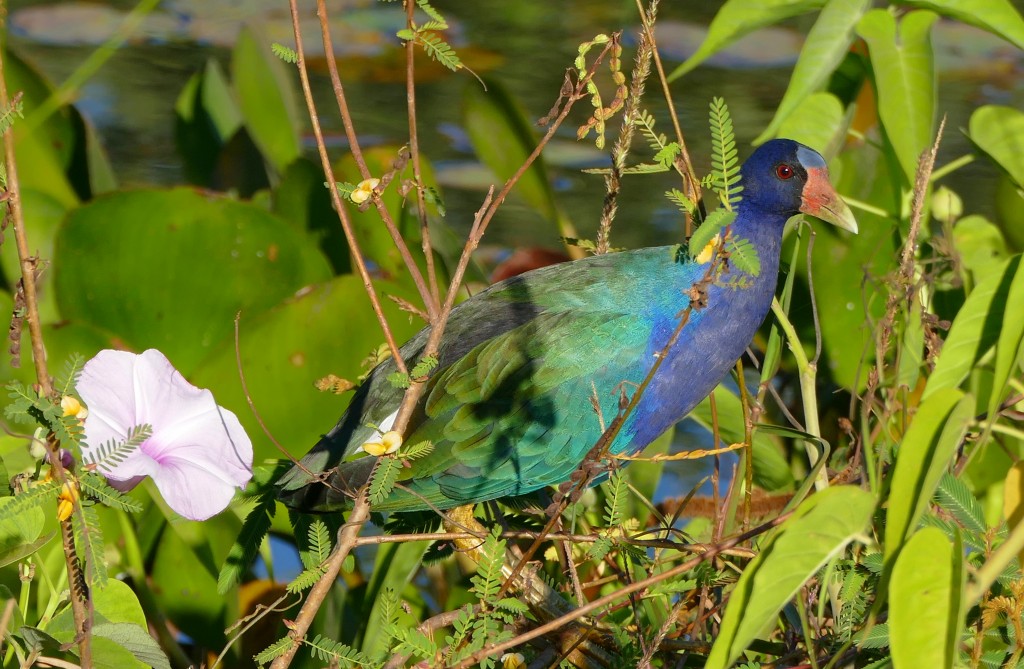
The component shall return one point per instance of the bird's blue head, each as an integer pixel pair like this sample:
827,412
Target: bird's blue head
785,177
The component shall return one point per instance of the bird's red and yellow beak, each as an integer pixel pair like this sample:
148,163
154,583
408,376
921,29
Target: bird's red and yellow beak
820,200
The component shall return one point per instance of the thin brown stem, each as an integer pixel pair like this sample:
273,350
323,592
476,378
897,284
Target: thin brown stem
347,536
414,152
81,602
353,141
339,207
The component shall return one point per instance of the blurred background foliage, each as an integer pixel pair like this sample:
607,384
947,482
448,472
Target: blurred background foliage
177,186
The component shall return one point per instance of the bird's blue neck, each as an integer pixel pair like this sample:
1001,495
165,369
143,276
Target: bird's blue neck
715,335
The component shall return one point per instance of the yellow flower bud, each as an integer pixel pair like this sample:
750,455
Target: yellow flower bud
70,405
513,661
66,500
389,443
364,190
709,249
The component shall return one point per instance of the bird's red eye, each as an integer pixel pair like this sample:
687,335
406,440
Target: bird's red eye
784,171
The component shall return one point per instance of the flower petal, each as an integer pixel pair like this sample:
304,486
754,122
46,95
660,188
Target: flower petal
195,491
198,452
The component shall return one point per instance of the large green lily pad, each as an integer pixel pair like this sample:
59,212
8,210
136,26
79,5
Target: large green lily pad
328,330
170,269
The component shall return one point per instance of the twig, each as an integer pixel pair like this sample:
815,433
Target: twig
553,536
353,141
347,535
339,207
601,602
414,152
81,602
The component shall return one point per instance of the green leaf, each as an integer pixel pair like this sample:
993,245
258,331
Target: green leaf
999,132
975,329
902,62
980,245
178,265
826,45
736,18
954,496
336,653
1008,347
384,479
95,486
616,493
273,651
819,122
819,529
136,640
724,157
243,551
712,225
90,544
267,99
488,578
743,256
439,50
998,17
285,53
924,602
924,453
24,502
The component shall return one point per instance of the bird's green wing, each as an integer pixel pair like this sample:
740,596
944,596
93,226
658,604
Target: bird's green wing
520,411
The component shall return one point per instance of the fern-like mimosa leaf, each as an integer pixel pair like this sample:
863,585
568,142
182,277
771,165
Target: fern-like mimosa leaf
243,551
384,479
96,487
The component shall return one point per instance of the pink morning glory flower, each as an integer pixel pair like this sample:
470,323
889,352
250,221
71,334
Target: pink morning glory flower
198,452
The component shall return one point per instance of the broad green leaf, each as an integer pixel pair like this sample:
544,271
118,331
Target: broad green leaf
924,602
1008,347
136,640
999,132
736,18
827,44
118,616
503,139
975,329
819,122
841,262
184,573
818,530
998,17
177,266
924,454
902,62
266,96
326,330
22,528
980,245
